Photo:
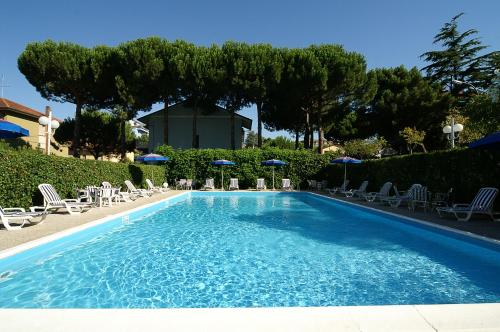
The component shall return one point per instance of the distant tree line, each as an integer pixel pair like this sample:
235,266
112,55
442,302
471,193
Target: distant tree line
321,89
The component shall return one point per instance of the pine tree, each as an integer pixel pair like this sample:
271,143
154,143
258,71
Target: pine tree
458,60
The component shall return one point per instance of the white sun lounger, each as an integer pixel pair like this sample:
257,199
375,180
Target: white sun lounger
20,217
381,194
398,199
233,184
286,185
481,204
261,184
53,201
209,184
153,188
139,192
342,188
356,192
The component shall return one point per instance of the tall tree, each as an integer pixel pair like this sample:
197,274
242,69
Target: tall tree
99,133
175,57
348,86
138,69
459,58
237,63
201,85
263,74
61,72
404,99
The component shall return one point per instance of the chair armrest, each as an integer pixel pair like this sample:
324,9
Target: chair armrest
460,205
71,200
37,208
14,210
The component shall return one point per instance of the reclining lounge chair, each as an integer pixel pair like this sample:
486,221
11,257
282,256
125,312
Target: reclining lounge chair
481,204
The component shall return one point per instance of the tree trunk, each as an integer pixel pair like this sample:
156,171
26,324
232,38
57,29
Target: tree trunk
76,131
423,147
259,124
307,133
311,138
123,152
165,123
195,129
233,144
296,139
320,140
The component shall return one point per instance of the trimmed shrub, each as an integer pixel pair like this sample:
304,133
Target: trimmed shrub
21,171
465,170
195,164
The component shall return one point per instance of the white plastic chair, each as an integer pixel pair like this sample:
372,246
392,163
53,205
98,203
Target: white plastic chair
381,194
286,185
139,192
233,184
261,184
209,184
20,217
53,201
481,204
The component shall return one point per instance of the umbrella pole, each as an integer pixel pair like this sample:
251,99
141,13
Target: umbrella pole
273,177
222,184
345,173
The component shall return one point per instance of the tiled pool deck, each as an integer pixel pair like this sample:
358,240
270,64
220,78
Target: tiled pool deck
461,317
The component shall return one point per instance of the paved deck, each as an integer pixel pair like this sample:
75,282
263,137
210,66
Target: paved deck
425,318
61,221
480,225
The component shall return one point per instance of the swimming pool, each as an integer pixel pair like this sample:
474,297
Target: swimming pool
252,250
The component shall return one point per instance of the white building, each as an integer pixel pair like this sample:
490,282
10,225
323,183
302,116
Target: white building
138,128
213,129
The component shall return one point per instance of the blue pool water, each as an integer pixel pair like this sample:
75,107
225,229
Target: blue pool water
256,249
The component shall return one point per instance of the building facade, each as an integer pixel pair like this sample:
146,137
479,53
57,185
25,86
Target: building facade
28,118
213,128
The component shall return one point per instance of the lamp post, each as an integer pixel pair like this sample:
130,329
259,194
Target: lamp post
51,124
465,83
451,130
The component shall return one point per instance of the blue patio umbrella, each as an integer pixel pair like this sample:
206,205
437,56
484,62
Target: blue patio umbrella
222,162
345,161
491,141
152,158
12,130
273,162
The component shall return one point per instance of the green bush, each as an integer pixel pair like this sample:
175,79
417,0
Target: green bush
21,171
465,170
195,164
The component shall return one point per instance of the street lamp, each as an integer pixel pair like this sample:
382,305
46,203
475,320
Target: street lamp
450,131
51,124
465,83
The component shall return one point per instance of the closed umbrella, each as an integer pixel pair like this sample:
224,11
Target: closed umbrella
273,162
345,161
152,158
12,130
222,162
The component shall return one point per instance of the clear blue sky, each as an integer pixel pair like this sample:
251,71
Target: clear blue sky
387,32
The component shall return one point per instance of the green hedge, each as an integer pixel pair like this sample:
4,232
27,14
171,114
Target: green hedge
465,170
195,164
21,171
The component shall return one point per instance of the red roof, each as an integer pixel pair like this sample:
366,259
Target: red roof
12,105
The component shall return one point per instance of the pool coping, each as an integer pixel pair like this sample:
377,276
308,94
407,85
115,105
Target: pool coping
455,317
440,317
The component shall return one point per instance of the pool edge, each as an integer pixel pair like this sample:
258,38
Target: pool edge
73,230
